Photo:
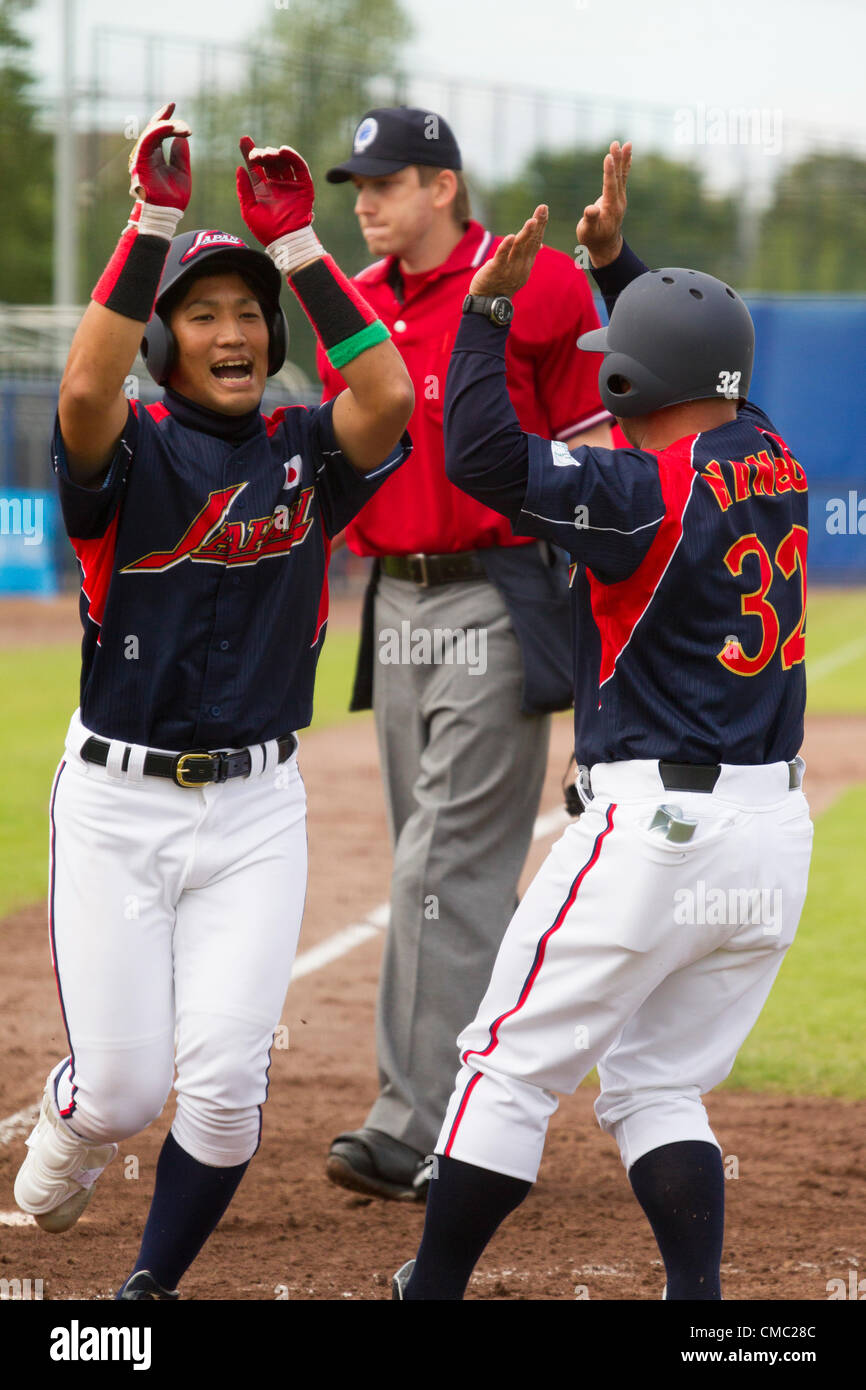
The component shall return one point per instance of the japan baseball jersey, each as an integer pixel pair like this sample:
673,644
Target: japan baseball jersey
204,574
689,578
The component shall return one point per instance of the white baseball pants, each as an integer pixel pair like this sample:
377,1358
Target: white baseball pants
174,918
647,957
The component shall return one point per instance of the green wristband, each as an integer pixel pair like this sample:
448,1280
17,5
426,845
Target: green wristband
350,348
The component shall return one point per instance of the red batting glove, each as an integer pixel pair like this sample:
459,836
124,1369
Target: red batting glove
161,190
275,191
276,195
157,183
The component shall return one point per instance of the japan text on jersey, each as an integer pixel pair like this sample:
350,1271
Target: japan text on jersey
689,592
204,575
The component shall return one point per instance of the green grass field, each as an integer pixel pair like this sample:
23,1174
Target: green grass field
836,651
809,1038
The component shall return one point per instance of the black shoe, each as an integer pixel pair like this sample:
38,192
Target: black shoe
400,1280
368,1161
143,1285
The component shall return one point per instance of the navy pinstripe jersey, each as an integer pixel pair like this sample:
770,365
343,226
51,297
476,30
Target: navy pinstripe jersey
204,575
689,574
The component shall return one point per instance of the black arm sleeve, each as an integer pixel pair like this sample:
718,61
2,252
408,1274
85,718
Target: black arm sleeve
612,279
486,452
602,506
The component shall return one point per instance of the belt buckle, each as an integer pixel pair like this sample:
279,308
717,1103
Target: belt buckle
424,581
185,778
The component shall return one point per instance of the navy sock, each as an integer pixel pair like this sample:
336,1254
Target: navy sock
681,1188
189,1201
465,1205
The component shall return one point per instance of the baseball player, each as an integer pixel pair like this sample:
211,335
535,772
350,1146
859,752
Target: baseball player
202,528
463,739
651,936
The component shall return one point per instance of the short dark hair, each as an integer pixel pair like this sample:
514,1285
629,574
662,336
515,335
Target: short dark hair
461,209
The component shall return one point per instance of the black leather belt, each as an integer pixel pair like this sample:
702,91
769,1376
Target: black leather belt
689,777
194,769
693,777
426,570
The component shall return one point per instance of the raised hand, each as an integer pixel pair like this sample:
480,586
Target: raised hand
153,180
275,191
509,269
600,228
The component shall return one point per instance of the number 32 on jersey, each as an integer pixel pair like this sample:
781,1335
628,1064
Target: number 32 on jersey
790,558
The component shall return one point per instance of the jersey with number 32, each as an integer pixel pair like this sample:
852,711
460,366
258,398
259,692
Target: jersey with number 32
689,592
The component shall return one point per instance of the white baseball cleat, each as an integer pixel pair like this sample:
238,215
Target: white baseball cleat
55,1181
400,1280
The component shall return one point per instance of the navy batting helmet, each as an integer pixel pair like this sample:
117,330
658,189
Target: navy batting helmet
674,335
212,253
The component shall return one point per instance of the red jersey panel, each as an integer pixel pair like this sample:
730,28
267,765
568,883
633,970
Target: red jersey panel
552,384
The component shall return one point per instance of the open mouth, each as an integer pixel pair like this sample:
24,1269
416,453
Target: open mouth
238,371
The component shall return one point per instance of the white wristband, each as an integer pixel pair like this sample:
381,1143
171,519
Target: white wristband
295,249
157,221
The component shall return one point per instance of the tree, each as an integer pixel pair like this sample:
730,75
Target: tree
26,172
310,73
675,221
313,71
813,234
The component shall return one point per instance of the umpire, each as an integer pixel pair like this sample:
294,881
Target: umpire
466,643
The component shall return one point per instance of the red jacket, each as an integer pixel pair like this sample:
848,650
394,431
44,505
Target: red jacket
552,384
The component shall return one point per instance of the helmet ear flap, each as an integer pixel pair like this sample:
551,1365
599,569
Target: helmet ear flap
278,340
159,350
629,388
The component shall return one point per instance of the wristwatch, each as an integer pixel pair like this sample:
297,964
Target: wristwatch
497,308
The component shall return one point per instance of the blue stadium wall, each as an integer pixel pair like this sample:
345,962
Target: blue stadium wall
810,377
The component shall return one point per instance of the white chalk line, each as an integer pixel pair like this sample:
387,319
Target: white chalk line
341,942
842,656
316,958
19,1123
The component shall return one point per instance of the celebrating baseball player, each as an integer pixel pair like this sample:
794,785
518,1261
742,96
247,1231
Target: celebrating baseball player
463,740
202,528
650,938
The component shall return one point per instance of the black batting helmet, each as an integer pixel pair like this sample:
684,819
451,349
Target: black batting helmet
674,335
212,253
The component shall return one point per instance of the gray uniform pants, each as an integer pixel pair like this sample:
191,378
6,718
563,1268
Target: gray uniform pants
463,771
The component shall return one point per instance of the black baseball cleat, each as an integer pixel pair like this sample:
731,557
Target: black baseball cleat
400,1280
143,1285
370,1162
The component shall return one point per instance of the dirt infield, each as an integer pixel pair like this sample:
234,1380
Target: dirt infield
796,1198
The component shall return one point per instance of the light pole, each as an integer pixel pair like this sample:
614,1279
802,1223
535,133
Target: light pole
66,168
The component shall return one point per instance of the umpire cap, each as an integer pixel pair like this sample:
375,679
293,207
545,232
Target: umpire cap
675,335
212,252
389,138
